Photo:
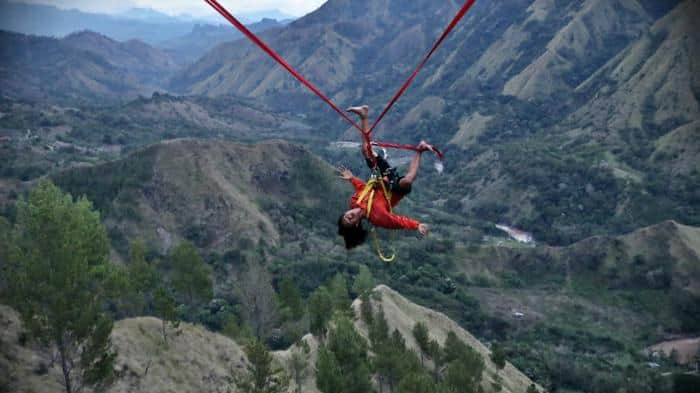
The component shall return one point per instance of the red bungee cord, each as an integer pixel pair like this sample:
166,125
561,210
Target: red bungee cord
260,43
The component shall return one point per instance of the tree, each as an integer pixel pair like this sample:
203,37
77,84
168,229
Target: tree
417,383
320,310
166,309
465,365
498,356
366,309
328,374
291,300
364,281
379,330
56,280
338,288
258,298
298,364
261,376
532,389
437,354
5,251
344,366
190,275
142,279
420,333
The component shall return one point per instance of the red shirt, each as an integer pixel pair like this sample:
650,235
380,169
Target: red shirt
381,215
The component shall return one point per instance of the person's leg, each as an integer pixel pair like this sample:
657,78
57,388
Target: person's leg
363,112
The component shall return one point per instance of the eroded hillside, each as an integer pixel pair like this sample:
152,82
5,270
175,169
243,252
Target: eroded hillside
196,360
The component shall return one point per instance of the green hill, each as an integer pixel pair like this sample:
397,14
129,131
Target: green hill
197,360
221,195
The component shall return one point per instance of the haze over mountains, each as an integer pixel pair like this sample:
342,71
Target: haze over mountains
144,24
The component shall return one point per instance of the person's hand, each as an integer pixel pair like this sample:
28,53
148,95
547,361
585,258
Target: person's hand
423,230
345,173
424,146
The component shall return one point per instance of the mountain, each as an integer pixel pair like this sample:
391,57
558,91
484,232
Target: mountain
362,51
652,85
198,360
51,21
81,67
259,16
147,15
190,47
221,195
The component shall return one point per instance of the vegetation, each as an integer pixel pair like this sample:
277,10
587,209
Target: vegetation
58,269
189,275
343,364
262,376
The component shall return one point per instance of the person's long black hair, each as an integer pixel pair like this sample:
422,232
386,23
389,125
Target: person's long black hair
353,236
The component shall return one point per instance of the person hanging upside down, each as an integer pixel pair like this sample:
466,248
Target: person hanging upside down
350,223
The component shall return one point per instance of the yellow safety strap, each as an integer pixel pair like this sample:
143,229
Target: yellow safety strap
369,190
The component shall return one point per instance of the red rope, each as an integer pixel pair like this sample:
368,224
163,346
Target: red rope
463,11
241,27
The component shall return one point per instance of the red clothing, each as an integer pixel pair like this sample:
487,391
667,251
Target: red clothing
380,215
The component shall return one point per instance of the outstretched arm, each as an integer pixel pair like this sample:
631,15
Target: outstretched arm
393,221
345,174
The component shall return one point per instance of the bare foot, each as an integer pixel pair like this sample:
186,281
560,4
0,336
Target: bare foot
361,111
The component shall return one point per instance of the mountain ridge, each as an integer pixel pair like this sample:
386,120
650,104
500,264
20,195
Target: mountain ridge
145,365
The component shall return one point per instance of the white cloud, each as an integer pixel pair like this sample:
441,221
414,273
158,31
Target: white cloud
193,7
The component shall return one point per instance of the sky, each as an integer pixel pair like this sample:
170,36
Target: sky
196,8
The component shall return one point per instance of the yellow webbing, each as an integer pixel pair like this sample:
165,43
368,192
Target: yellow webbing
370,189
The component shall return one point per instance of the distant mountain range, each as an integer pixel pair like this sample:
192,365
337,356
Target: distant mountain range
84,67
144,24
608,88
609,84
187,49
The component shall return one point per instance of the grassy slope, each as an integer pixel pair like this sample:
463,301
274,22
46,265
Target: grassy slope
218,194
196,360
402,314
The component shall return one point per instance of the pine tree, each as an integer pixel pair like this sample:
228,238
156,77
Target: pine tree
532,389
58,273
417,383
379,330
465,366
366,309
364,281
190,275
329,378
142,279
259,300
290,299
343,366
320,310
338,288
498,356
298,364
436,353
261,376
420,333
6,246
166,309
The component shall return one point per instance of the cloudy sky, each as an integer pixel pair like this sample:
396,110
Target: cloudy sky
193,7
